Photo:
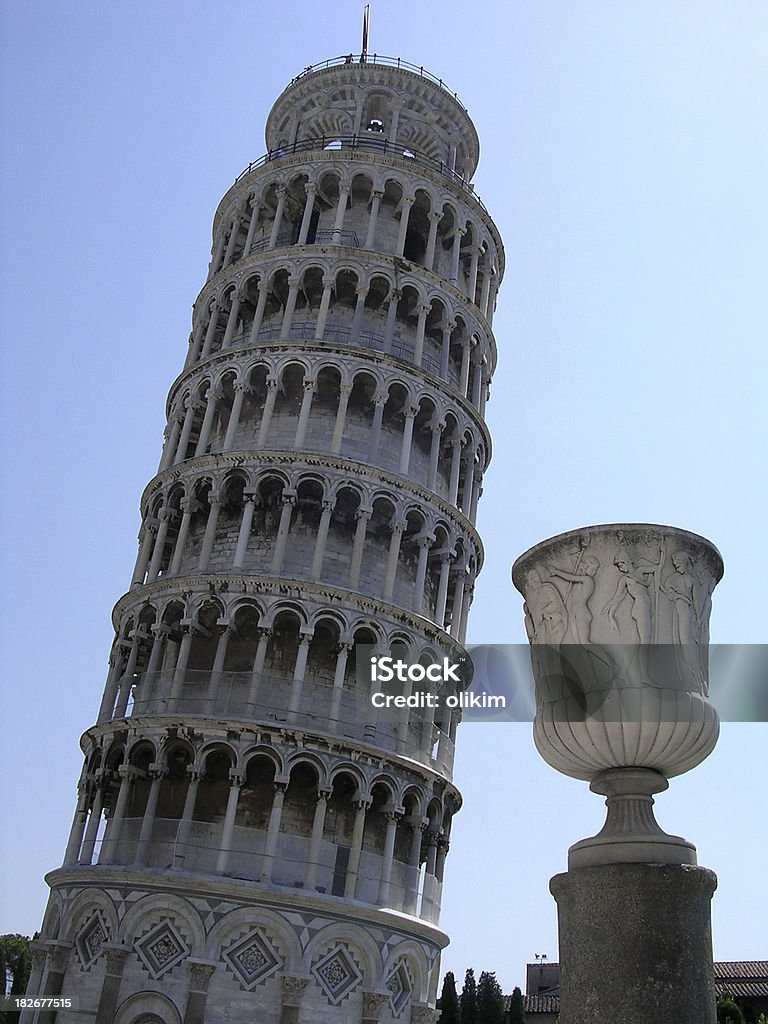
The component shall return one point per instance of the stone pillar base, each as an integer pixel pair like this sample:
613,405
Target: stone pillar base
635,944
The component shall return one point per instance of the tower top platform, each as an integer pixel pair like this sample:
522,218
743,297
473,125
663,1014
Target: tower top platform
385,97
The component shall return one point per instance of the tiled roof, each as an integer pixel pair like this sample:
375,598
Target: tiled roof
742,978
541,1004
741,969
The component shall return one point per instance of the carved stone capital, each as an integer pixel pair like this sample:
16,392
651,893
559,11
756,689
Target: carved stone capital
421,1014
293,989
200,972
373,1004
115,957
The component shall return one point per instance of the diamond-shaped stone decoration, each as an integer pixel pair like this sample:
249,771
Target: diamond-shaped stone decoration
337,974
91,939
161,949
253,959
399,987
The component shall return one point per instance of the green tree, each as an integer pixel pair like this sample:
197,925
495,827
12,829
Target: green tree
517,1007
490,1000
450,1011
727,1010
14,962
468,1001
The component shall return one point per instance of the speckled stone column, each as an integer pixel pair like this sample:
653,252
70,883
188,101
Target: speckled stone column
635,944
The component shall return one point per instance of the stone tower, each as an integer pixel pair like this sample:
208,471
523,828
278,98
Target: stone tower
250,843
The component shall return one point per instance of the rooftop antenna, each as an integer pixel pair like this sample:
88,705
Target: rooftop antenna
366,29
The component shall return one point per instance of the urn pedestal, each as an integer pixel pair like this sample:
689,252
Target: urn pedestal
618,620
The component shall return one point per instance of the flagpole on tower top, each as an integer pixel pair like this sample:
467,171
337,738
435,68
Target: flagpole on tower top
366,29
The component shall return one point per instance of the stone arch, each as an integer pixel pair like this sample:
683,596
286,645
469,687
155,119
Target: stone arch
149,1007
155,907
356,938
230,927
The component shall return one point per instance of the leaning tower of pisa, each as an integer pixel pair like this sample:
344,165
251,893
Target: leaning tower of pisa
250,842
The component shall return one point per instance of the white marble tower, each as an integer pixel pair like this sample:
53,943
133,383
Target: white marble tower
248,845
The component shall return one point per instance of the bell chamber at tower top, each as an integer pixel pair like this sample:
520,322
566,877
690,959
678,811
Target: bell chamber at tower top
379,99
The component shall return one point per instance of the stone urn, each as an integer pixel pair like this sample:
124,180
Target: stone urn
618,621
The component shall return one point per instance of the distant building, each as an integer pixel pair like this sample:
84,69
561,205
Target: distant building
747,981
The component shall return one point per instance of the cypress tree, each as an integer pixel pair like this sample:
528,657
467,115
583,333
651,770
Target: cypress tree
468,1001
517,1008
450,1011
490,1000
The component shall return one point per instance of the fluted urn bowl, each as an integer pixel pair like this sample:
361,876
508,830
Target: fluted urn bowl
618,620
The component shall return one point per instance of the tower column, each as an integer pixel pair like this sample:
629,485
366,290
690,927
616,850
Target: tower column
379,401
252,223
338,681
456,253
171,443
436,428
188,506
92,828
318,824
445,351
311,190
290,305
386,864
321,540
389,329
421,325
187,817
246,523
258,315
355,850
289,500
424,543
435,216
273,832
258,664
345,390
164,520
278,218
127,775
214,502
157,773
407,442
414,863
228,828
269,407
229,331
233,233
212,399
241,389
341,209
407,203
398,527
442,588
325,302
213,323
149,529
306,405
362,516
372,219
78,825
299,672
357,320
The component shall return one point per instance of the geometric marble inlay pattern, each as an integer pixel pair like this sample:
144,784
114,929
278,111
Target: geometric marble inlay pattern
337,974
399,987
161,949
252,959
91,939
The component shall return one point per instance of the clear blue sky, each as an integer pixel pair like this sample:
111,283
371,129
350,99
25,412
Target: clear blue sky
624,159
